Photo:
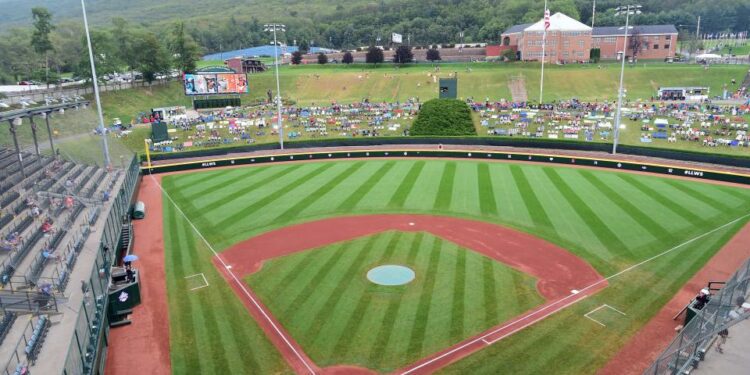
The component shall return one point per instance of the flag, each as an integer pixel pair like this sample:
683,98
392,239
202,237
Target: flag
546,19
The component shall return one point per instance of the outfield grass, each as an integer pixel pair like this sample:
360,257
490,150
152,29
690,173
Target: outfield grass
325,301
611,220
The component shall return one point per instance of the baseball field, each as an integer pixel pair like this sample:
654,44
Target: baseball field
520,268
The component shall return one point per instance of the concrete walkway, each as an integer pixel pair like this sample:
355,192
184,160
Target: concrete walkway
736,358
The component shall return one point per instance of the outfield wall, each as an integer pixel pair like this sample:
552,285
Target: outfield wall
541,143
696,173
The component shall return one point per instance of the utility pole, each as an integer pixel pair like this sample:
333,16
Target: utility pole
593,15
105,146
273,27
544,57
627,10
698,29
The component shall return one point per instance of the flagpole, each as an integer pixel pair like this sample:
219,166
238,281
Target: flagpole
544,45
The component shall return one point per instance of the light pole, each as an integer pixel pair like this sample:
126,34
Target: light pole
105,146
273,27
627,10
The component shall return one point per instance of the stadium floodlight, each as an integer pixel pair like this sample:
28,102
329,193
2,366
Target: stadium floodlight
274,27
627,10
105,146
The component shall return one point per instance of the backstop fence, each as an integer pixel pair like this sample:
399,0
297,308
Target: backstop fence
722,311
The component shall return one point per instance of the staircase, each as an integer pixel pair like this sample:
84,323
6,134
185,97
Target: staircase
126,238
746,82
30,302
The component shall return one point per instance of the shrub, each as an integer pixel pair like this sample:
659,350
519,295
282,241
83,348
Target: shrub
322,58
444,117
433,54
596,55
347,58
296,57
509,55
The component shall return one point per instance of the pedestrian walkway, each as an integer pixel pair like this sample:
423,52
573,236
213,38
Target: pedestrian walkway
736,358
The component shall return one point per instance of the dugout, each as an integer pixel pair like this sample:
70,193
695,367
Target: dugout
139,210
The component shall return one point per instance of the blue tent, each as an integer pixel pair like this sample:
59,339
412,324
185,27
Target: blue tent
259,51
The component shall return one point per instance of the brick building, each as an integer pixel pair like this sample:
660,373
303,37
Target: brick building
656,41
571,41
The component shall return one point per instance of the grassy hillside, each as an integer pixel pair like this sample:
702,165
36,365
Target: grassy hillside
611,220
311,84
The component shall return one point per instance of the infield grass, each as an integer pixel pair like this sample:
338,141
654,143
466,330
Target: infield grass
611,220
324,299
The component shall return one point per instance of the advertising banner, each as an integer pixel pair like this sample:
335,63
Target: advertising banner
215,83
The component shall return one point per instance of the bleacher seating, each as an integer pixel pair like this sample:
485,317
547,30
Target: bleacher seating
39,333
5,324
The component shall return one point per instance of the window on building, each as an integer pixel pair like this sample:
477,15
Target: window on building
668,37
656,46
580,43
666,46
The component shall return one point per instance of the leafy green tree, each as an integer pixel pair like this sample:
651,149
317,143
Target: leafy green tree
433,54
40,40
104,55
125,48
296,57
403,55
153,59
347,58
183,48
304,47
374,55
322,58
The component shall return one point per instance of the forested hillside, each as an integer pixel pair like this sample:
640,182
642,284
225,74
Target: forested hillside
231,24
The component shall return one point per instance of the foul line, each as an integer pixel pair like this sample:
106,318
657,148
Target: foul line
234,277
485,336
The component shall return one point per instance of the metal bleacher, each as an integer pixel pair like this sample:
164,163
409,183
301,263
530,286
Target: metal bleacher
36,266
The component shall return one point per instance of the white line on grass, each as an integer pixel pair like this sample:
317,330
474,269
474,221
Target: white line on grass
235,278
205,282
484,337
599,308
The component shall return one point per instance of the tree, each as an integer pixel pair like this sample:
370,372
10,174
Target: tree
304,47
403,55
374,55
636,44
40,38
322,58
595,55
124,44
296,57
153,59
433,54
104,55
347,58
184,50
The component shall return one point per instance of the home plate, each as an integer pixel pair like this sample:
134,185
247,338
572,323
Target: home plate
574,291
229,267
412,224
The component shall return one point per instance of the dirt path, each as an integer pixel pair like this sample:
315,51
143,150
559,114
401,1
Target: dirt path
517,86
640,352
143,346
558,271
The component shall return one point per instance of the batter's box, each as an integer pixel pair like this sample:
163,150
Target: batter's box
197,281
606,316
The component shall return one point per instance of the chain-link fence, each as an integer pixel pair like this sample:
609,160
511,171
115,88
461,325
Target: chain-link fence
722,311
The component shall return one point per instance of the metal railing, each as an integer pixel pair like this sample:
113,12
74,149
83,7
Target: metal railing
86,344
721,312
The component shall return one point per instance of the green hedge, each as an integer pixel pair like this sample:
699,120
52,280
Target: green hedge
444,117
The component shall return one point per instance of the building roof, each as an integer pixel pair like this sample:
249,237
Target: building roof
559,22
642,29
517,28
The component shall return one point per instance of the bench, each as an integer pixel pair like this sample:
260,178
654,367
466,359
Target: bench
39,333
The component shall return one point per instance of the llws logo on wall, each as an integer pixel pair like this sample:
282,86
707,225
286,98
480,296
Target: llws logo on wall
694,173
123,297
